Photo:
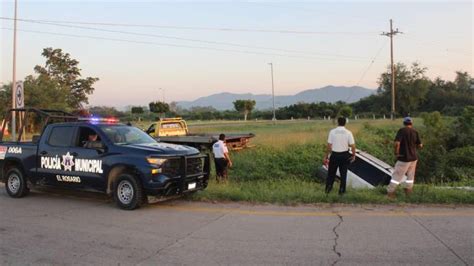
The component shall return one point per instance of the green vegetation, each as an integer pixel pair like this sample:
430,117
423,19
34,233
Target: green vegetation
244,106
291,192
159,107
281,168
57,85
416,93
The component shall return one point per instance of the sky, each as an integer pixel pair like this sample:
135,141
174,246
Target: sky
177,50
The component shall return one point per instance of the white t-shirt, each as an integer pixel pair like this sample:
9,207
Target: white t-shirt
341,139
219,148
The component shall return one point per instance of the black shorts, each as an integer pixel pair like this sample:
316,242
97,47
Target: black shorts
221,166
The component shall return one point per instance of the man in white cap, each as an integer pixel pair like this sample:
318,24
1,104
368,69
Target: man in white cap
406,143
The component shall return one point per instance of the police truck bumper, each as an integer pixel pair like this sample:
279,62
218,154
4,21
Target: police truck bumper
180,175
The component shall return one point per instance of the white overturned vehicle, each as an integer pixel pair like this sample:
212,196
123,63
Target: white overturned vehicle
365,172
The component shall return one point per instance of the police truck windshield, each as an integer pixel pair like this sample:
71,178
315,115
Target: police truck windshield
126,135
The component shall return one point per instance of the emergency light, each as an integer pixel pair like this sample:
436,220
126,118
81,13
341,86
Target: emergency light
92,119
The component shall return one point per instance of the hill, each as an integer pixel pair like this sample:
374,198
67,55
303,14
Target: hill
223,101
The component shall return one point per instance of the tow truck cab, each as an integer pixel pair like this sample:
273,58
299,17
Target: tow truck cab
107,156
168,127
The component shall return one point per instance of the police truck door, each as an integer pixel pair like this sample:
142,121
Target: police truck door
55,161
88,157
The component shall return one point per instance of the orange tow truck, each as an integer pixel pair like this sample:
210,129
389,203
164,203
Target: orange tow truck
175,130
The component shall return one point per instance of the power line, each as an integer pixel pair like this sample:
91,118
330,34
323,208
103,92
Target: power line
174,45
439,46
112,24
314,11
186,39
367,69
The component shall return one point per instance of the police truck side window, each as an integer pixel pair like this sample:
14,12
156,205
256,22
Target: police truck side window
86,135
61,136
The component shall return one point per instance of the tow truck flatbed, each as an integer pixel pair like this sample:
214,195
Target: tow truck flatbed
175,130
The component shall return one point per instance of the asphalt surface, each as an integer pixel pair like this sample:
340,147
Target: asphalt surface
64,227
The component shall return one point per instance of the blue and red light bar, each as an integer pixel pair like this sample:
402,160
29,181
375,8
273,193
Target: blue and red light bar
92,119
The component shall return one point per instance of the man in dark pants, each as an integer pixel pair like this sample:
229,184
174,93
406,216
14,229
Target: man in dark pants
221,158
339,141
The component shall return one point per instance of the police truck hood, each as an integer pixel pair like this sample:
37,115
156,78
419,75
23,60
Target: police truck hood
165,148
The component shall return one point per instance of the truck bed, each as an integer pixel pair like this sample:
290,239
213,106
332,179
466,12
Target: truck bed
234,141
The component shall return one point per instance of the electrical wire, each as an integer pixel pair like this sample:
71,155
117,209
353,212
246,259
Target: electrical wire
112,24
367,69
439,46
175,45
186,39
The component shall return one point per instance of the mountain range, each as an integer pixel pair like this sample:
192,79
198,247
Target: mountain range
330,94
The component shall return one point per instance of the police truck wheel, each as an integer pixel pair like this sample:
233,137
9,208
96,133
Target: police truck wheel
128,193
15,183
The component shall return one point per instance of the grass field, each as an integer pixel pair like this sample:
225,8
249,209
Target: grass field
281,166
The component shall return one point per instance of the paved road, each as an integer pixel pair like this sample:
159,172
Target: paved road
63,227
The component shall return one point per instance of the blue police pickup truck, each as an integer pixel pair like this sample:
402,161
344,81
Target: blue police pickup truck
103,155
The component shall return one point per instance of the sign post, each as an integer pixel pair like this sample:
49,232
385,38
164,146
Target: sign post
20,103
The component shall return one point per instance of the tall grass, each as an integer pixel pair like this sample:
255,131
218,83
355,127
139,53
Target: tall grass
281,167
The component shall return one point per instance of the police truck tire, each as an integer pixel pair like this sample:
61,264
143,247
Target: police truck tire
128,192
15,183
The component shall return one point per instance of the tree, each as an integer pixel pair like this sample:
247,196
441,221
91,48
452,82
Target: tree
463,81
105,111
411,87
464,128
244,106
44,92
159,107
5,98
137,110
62,75
345,111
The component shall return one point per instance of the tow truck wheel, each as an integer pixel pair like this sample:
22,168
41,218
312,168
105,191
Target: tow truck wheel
15,183
128,193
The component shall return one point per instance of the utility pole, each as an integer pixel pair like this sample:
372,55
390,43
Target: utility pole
273,93
392,66
13,129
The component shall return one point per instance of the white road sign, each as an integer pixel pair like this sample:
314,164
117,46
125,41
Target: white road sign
20,96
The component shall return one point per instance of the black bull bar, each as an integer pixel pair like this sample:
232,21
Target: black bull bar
190,168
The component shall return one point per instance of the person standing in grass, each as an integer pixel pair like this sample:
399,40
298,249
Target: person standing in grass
407,141
339,141
221,158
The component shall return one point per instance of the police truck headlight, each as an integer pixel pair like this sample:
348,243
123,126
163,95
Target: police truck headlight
156,161
157,164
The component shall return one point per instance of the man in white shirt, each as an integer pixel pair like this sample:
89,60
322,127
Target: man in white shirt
221,158
339,141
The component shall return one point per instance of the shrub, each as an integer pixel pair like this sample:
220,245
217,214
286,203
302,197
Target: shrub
459,164
297,161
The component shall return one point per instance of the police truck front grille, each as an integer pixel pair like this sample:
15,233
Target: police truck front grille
194,166
172,167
